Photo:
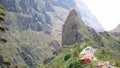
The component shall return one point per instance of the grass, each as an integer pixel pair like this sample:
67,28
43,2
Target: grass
69,57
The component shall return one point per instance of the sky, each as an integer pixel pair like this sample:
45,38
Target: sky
106,11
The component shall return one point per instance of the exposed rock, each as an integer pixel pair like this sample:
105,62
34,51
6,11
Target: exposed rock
40,15
116,30
74,30
116,34
70,29
96,37
48,60
1,59
56,46
26,57
105,34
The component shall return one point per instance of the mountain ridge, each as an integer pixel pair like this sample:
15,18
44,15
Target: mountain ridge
34,35
116,30
38,14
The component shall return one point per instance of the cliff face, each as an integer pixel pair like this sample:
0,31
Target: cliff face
70,29
116,30
31,25
74,30
40,15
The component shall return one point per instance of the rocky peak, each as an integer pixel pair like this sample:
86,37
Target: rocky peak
73,12
70,29
74,30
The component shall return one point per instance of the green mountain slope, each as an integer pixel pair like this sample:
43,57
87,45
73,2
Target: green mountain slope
108,45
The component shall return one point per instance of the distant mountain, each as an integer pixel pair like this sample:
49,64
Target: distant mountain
43,15
88,17
116,30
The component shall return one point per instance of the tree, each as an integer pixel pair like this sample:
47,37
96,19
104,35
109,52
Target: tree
2,19
2,39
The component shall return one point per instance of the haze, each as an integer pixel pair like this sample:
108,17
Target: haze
106,11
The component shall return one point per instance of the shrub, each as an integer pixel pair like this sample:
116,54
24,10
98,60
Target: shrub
2,13
1,6
67,57
2,28
75,64
75,53
3,40
2,18
117,63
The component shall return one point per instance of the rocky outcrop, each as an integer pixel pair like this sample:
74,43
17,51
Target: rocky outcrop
55,44
40,15
74,30
105,34
70,29
116,30
26,57
97,38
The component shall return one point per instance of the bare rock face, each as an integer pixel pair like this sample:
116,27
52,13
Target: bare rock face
116,30
74,30
70,29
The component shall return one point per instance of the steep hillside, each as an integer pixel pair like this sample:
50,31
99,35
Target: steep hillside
74,30
34,30
75,37
44,15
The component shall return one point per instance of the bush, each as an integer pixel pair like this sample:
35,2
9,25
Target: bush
75,53
67,57
3,40
2,13
75,64
2,18
117,63
2,28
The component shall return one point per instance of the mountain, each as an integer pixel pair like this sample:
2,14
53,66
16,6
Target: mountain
116,30
44,15
34,31
76,36
87,16
74,30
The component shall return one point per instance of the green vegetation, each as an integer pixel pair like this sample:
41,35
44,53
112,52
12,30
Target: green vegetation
1,6
2,13
117,63
67,57
3,40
